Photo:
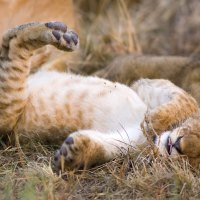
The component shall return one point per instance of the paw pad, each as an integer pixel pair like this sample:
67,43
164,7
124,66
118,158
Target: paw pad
56,34
67,38
71,36
67,153
61,33
63,151
57,26
74,37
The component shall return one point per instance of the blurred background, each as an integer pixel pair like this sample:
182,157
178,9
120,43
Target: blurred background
111,29
156,27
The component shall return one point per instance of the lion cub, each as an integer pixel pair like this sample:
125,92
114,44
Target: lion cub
97,117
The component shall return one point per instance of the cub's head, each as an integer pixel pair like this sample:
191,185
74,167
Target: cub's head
184,140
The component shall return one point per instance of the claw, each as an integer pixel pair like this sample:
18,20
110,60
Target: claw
69,140
63,151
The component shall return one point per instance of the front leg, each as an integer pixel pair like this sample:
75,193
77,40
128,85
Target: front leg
82,150
168,104
19,42
16,48
87,148
172,113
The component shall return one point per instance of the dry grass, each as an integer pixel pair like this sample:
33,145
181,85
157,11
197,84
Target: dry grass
163,28
136,175
160,27
168,27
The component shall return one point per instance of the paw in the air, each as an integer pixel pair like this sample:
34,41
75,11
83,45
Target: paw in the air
78,152
34,35
63,35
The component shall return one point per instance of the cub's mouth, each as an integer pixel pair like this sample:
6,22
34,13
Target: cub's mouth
168,145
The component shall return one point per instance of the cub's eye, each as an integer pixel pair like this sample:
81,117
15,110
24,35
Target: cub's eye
177,146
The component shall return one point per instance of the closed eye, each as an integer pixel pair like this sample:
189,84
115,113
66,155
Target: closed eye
177,146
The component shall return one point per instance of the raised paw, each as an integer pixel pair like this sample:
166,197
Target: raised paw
79,152
34,35
63,34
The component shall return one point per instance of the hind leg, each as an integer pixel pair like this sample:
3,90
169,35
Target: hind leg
87,148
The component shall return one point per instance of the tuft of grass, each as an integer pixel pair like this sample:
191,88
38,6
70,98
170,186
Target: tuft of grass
134,175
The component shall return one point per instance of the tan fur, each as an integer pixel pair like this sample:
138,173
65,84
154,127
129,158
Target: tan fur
99,119
169,113
16,12
187,139
85,153
14,74
180,116
172,113
190,142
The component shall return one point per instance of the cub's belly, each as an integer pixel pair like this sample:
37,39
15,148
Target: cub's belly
59,104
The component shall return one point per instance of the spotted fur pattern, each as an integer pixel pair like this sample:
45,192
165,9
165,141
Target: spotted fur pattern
99,119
